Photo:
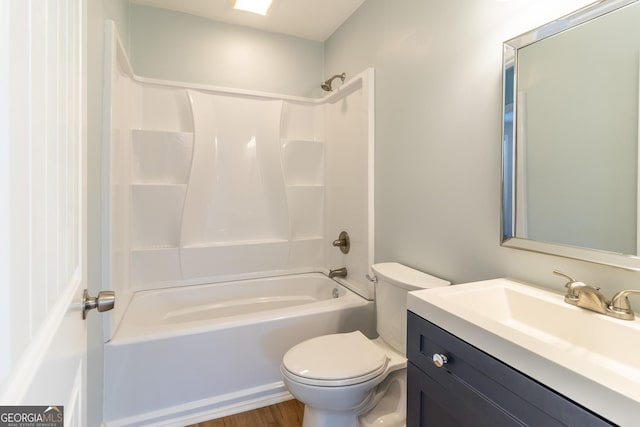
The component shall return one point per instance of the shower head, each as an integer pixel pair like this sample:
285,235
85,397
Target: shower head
326,85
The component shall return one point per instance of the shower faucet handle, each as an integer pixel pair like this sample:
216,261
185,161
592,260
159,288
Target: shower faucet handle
343,242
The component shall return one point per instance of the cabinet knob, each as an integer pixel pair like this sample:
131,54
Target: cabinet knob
439,360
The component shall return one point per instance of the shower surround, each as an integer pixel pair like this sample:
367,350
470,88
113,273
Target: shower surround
206,186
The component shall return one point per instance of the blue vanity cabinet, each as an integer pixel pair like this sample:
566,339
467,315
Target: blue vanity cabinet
473,389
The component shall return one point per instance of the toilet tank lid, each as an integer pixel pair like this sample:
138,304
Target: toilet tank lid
406,277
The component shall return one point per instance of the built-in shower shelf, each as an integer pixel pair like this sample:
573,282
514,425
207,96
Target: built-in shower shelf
153,248
301,141
158,185
236,243
309,238
310,186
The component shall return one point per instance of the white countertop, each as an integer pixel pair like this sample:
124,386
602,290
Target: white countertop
572,367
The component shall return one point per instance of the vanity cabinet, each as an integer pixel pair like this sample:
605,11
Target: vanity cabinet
473,389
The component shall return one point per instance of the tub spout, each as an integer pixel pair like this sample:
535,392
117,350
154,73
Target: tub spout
338,272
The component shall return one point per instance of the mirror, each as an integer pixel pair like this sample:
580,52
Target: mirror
570,136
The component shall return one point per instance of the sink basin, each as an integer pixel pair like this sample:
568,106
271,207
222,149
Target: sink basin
588,357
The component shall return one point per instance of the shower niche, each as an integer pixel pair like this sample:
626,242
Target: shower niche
210,184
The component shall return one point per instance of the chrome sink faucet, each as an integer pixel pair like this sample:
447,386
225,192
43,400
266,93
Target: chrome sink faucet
588,297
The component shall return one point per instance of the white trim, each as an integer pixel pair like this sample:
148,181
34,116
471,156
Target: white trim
371,122
110,38
73,409
638,171
5,263
208,409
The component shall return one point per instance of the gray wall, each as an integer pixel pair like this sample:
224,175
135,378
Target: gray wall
181,47
438,134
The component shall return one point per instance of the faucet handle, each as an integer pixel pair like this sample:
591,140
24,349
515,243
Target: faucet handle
343,242
620,301
560,273
572,285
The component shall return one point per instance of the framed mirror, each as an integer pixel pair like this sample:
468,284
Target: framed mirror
570,136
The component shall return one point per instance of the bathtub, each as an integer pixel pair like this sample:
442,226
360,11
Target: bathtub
188,354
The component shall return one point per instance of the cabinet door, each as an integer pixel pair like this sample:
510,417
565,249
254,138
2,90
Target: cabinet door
493,393
452,404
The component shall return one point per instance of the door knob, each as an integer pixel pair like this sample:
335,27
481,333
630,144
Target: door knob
105,301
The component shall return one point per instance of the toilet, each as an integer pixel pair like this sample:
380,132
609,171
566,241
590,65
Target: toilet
349,380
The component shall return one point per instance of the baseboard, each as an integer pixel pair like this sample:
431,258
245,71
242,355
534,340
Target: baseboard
208,409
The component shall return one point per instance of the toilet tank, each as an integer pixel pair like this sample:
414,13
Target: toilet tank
393,283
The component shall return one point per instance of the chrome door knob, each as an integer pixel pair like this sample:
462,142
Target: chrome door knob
439,360
105,301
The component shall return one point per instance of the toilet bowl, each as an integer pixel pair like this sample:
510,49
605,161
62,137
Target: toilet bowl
349,380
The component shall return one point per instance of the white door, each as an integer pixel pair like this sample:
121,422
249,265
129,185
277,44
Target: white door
42,206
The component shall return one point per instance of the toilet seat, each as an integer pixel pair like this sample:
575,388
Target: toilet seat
335,360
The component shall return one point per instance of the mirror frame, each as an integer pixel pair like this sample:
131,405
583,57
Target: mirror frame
508,236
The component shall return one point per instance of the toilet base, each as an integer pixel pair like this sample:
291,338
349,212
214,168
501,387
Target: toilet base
386,406
320,418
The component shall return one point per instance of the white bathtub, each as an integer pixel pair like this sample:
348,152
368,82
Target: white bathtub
188,354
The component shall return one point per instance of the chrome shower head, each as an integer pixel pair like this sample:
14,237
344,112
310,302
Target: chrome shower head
326,85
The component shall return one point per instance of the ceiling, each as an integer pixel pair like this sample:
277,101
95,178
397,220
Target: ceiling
308,19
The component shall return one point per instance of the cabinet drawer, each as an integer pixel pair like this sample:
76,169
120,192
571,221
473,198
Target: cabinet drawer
523,398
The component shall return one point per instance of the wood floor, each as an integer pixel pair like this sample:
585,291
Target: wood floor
284,414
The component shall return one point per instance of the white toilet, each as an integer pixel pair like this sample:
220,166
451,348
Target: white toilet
348,380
